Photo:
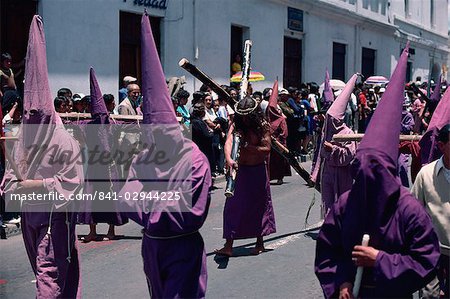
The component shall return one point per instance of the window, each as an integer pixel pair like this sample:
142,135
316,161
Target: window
368,62
383,7
374,5
406,8
432,16
408,71
365,4
130,43
237,45
238,35
339,52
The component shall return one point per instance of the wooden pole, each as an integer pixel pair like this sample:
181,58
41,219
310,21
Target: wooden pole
358,137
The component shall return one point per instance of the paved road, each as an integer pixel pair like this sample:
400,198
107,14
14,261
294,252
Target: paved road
113,269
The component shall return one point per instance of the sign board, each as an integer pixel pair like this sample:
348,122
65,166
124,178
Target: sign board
295,19
160,4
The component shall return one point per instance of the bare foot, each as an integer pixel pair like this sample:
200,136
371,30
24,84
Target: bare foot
224,251
110,237
258,250
89,238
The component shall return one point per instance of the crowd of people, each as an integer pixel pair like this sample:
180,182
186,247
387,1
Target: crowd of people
363,185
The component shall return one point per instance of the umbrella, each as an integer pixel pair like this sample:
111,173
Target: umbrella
377,80
254,76
335,84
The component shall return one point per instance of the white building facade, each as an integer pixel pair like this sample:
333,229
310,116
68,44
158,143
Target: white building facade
294,40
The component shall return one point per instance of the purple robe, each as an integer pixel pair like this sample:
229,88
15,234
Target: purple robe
172,248
407,257
102,136
49,240
336,178
249,213
48,228
336,175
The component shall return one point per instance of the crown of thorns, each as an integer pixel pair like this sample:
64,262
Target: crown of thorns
245,111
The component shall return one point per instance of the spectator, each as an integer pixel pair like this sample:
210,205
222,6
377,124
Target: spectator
182,97
69,104
210,115
64,92
363,110
267,92
233,95
131,102
258,96
236,65
431,188
60,103
298,126
86,102
12,107
201,135
313,96
291,120
307,120
77,104
109,102
123,92
219,140
7,81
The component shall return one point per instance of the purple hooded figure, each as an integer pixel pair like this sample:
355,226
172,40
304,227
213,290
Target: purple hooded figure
403,250
435,96
172,247
48,161
98,136
328,96
429,150
327,100
334,158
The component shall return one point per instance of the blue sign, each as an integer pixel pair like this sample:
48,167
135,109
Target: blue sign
295,19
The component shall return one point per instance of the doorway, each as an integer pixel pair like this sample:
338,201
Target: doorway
15,23
292,64
130,44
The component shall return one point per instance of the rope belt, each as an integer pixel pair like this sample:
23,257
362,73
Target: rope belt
168,238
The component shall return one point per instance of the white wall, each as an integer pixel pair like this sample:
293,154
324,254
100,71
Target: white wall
80,34
85,33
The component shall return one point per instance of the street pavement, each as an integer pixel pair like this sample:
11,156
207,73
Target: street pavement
113,269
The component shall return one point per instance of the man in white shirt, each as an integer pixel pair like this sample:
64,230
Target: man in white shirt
432,188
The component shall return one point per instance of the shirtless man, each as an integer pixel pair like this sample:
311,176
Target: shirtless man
249,213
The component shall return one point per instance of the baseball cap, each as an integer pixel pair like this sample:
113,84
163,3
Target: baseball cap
129,79
77,96
283,91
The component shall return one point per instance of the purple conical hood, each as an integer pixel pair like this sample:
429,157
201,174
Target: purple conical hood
337,109
327,91
98,105
157,105
436,96
429,150
383,132
441,115
37,95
